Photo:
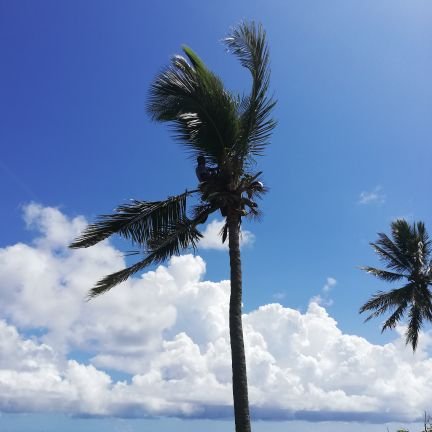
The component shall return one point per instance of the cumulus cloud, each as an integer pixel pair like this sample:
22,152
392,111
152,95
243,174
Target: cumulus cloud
212,238
168,329
375,196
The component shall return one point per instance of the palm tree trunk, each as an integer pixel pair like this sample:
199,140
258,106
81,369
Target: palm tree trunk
238,359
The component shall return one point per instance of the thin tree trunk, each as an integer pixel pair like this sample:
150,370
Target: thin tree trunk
238,359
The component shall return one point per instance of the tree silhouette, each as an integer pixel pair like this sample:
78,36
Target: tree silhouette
407,256
229,131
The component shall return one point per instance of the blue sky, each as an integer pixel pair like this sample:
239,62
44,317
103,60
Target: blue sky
351,153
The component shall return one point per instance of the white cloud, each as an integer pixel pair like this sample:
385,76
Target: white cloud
330,283
323,298
212,238
376,196
169,329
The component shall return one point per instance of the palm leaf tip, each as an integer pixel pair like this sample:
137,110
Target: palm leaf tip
106,284
248,43
114,279
194,58
89,237
382,274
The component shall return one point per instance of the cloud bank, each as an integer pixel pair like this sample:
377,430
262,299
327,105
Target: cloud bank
168,329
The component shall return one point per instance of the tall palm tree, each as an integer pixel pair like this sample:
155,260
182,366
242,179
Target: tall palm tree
408,258
229,130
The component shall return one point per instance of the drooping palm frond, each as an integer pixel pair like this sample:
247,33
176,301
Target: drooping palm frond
202,113
408,253
164,244
421,310
414,326
224,232
396,316
248,42
381,302
135,221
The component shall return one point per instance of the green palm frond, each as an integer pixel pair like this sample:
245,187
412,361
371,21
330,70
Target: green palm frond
202,113
135,221
164,244
383,274
248,42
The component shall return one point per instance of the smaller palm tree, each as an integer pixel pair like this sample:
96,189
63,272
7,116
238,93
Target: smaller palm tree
408,258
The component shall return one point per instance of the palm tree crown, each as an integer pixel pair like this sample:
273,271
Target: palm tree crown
228,130
408,258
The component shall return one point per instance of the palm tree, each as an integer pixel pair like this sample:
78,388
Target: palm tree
408,258
229,130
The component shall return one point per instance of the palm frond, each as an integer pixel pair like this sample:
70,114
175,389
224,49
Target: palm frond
383,274
113,279
423,299
396,316
135,221
405,239
248,42
203,115
165,243
254,215
202,211
224,232
381,302
173,239
392,258
414,326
